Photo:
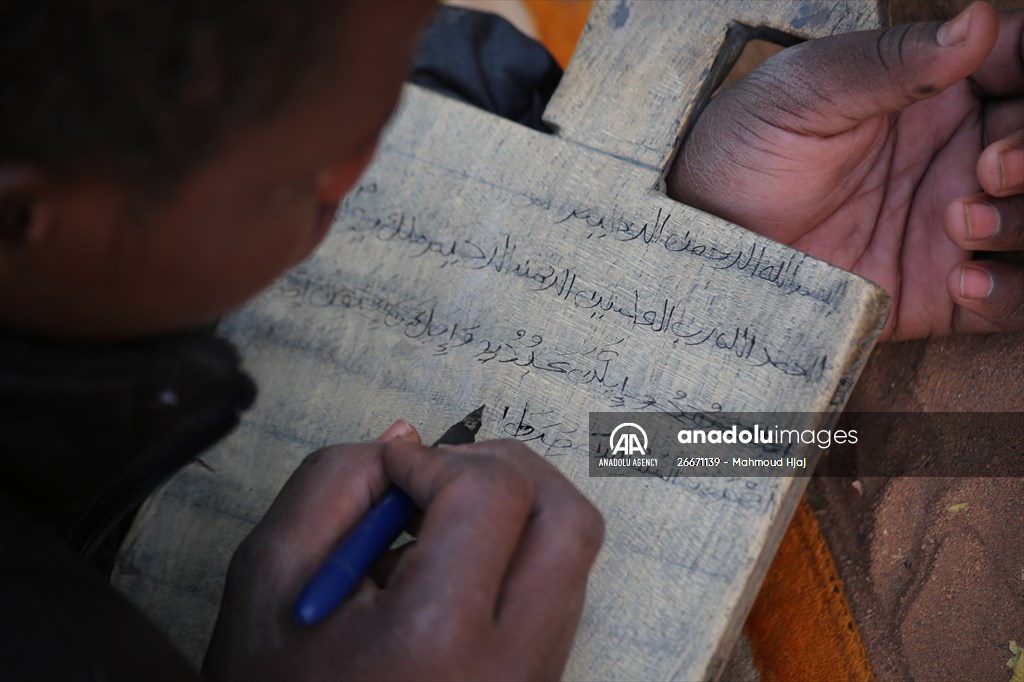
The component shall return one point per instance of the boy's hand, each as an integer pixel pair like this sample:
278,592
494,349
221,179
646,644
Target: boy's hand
492,588
871,150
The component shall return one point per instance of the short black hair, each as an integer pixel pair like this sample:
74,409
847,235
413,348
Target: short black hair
146,89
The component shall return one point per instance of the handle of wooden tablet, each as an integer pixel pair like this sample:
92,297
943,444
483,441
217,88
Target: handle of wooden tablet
643,68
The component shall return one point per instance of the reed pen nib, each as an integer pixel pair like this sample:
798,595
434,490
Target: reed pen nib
465,431
474,419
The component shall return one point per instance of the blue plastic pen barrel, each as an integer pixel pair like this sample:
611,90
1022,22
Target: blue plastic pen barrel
352,559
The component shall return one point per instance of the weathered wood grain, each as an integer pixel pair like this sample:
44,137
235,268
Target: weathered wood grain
544,275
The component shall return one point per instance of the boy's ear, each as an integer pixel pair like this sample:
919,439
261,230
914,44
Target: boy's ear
26,209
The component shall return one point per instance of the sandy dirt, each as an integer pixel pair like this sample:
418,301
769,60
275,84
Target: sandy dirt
933,566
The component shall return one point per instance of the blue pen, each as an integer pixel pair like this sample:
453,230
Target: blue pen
371,537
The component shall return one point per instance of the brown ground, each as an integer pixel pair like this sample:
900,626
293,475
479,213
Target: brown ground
937,593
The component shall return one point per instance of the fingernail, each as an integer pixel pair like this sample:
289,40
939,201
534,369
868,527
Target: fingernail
975,283
981,221
400,429
1011,170
954,32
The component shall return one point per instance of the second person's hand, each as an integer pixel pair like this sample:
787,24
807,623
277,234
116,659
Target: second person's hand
897,154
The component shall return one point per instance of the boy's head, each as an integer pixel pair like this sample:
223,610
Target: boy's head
161,162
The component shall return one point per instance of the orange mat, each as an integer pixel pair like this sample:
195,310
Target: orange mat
559,23
801,627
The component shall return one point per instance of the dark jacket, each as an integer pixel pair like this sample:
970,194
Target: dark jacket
86,433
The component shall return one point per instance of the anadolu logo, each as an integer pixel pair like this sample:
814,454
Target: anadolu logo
628,442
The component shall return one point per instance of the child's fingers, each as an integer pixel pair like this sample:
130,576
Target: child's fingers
984,223
827,86
546,583
322,501
400,429
382,569
474,510
1001,166
1002,73
319,504
989,296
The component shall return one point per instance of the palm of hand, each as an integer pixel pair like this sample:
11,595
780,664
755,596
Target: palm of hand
872,201
831,147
